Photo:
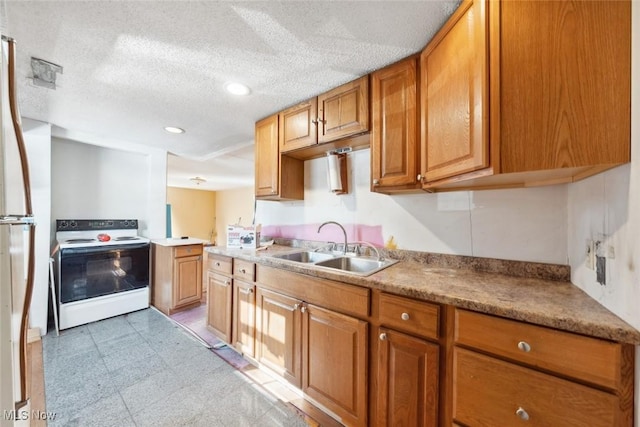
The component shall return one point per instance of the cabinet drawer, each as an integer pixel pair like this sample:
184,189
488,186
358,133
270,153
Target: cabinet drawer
245,270
188,250
491,392
589,359
416,317
220,264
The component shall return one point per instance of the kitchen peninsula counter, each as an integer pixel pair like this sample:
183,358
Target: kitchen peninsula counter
544,298
179,242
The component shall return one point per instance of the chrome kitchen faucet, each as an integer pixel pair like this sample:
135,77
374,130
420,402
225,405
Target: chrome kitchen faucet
343,230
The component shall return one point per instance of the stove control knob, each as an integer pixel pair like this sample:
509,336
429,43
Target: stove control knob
110,223
73,224
63,224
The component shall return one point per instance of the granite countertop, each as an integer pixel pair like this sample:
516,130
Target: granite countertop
553,303
179,242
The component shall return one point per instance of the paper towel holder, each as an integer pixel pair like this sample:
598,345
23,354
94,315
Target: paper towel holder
341,154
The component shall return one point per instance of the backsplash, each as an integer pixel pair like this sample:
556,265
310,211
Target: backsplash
533,270
517,224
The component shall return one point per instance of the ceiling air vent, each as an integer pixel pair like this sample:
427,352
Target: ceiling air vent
44,73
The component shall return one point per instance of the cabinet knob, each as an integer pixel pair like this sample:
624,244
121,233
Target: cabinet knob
404,316
383,337
419,177
273,191
243,271
524,346
376,182
250,290
217,264
303,309
296,306
522,414
314,121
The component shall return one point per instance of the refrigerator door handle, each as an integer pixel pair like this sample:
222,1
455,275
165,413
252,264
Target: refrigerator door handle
17,127
16,220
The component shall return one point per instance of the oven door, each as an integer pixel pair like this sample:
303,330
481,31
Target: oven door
91,272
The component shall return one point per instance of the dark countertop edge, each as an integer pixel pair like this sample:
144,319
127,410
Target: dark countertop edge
611,328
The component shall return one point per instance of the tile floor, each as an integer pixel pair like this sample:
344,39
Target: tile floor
140,369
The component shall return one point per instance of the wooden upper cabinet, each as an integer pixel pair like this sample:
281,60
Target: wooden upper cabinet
267,156
526,93
454,97
344,111
277,177
394,127
298,126
565,80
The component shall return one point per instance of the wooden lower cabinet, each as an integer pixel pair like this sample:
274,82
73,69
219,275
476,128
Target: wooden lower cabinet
177,277
279,329
334,368
219,299
322,352
407,380
244,317
504,372
492,392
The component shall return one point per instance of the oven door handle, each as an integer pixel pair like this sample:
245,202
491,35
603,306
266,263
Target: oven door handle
101,249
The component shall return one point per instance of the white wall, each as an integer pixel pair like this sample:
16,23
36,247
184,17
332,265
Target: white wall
607,207
95,182
520,224
37,137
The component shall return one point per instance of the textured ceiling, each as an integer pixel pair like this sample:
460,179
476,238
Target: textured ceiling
133,67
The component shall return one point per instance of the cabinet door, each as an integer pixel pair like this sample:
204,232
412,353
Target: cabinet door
267,156
407,380
244,317
298,126
454,96
492,392
344,111
394,126
279,327
187,280
219,301
335,363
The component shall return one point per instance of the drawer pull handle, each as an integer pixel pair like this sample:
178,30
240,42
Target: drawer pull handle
404,316
243,271
217,264
383,337
522,414
524,346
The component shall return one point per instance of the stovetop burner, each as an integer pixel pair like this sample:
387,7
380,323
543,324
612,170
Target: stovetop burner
80,240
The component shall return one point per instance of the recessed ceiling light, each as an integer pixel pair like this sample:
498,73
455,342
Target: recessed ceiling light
172,129
237,88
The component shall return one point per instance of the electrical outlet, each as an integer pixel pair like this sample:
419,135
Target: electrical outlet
590,261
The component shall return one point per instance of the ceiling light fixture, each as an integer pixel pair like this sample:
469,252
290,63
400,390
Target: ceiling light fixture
172,129
198,180
237,88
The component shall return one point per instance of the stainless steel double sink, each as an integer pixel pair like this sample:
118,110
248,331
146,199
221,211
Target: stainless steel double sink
352,264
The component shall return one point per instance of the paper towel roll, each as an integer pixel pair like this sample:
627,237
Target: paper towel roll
333,173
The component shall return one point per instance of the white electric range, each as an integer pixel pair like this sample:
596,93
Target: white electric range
102,269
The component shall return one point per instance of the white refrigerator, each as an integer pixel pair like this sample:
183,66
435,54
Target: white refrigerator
17,234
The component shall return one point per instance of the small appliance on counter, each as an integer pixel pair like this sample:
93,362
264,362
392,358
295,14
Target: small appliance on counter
102,269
